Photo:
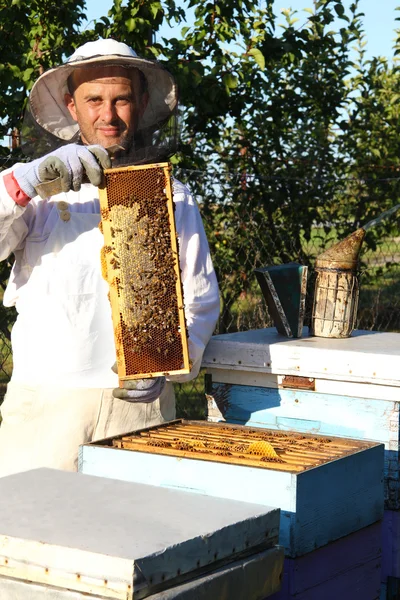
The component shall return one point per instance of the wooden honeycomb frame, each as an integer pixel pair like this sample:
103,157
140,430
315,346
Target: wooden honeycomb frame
238,445
140,262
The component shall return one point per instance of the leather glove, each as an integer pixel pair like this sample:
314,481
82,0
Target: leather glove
139,390
65,168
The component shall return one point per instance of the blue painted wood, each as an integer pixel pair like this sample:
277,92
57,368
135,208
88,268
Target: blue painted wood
325,414
391,555
393,588
318,505
348,569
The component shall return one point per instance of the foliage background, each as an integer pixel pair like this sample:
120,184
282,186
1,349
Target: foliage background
289,137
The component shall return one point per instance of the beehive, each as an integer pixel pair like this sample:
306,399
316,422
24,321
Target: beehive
277,450
326,487
140,262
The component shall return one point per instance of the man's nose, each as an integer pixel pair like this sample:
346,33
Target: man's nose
109,112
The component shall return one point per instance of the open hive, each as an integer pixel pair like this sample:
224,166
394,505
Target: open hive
140,262
240,445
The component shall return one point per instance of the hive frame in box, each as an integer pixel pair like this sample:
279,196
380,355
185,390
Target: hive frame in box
164,349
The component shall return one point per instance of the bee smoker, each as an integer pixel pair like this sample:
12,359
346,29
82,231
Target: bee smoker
335,304
336,289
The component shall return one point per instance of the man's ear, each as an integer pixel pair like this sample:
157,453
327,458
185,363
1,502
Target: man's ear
70,104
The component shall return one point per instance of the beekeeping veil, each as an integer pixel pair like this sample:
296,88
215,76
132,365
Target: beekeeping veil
48,123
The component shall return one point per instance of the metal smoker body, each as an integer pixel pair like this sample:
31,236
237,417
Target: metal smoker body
336,290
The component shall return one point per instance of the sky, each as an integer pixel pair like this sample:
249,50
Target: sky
379,20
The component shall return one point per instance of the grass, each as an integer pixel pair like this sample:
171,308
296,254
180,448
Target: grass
191,401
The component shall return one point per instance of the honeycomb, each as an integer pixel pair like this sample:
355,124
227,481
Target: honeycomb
262,449
140,262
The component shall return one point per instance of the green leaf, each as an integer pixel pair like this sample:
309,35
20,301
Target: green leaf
339,8
258,57
130,25
27,75
154,9
230,81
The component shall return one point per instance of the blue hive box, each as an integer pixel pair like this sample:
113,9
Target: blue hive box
332,497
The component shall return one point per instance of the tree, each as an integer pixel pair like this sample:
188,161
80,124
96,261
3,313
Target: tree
34,36
266,113
274,122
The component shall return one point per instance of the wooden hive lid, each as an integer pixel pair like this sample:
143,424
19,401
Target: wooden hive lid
364,357
118,539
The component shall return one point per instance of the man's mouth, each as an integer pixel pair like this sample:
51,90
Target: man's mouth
109,131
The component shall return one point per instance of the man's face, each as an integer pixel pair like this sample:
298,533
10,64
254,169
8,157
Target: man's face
107,103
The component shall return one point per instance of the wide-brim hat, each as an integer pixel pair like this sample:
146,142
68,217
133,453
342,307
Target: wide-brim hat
47,105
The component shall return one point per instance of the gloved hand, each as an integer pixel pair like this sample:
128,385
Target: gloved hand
139,390
67,165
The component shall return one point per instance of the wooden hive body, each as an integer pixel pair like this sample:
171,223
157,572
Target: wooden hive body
315,487
140,261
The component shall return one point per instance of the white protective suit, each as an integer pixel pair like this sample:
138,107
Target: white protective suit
63,343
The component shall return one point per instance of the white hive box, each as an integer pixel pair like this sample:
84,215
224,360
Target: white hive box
70,536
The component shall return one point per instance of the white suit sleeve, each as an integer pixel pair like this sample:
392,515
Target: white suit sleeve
13,228
200,287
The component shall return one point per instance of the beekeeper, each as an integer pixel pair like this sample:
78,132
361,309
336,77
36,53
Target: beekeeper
61,390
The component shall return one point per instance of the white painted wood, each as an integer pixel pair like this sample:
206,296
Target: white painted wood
366,356
117,539
234,376
322,386
252,578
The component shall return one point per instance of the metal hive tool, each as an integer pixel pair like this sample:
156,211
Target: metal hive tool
240,445
141,265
